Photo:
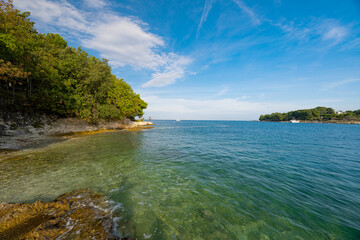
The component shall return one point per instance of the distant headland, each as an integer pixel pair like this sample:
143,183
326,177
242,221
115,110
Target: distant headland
315,115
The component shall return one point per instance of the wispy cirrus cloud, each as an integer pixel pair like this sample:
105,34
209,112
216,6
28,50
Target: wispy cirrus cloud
355,43
125,41
293,31
205,12
172,71
222,92
330,31
336,84
334,32
250,12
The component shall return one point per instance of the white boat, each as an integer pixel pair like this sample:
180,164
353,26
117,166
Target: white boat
294,121
178,120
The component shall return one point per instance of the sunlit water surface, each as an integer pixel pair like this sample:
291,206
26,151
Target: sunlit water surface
206,179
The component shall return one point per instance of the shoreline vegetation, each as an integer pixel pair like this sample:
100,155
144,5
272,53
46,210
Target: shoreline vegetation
314,115
41,74
49,88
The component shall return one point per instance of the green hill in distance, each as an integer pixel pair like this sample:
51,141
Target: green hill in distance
320,114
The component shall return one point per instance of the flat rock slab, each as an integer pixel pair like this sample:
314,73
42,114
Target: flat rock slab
81,214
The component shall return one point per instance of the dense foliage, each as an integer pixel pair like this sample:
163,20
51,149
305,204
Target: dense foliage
315,114
42,72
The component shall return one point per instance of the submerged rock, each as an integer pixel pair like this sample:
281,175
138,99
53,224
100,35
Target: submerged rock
81,214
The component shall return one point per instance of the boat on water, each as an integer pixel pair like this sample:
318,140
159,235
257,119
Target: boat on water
178,120
294,121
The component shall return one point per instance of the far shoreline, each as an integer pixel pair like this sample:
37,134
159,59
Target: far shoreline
255,120
322,122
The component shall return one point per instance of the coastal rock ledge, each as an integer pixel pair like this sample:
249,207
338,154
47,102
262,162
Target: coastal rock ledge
18,131
81,214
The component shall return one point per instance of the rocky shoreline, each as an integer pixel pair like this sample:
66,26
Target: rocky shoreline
20,132
81,214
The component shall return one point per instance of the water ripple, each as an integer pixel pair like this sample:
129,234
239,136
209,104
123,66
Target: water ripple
207,180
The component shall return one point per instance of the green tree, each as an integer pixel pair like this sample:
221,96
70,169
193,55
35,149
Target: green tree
55,78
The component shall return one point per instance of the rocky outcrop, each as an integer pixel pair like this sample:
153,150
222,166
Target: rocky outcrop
49,126
19,131
81,214
72,125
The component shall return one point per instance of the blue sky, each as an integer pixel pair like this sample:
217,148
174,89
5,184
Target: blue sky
219,59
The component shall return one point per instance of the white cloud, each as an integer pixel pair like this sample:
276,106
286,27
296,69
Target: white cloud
124,41
254,18
60,14
336,33
213,109
173,71
95,3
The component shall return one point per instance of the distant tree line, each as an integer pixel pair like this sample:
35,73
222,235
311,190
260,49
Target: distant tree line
40,71
315,114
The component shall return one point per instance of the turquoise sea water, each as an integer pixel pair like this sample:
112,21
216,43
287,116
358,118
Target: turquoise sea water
206,179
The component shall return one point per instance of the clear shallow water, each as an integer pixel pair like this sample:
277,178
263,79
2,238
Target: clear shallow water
206,179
